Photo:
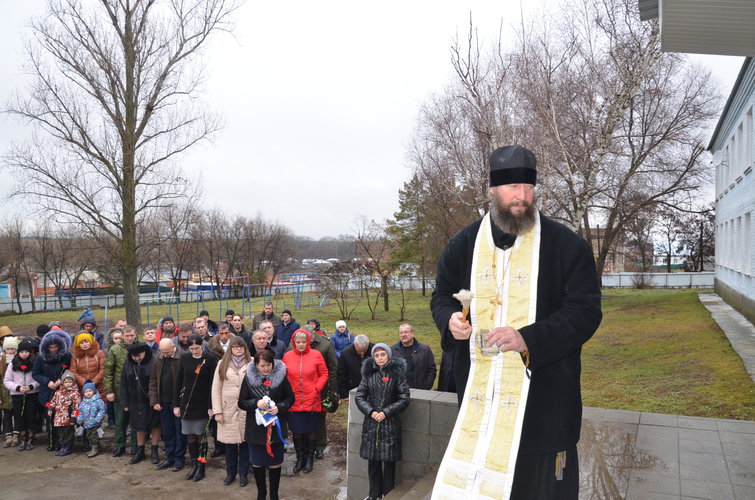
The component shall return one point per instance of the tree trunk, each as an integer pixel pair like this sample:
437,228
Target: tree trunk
384,286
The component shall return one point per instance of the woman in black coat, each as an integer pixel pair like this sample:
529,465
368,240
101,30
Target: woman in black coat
192,400
266,377
135,399
382,395
52,361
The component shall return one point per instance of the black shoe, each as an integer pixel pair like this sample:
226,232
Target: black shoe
119,451
163,465
177,466
243,481
138,456
319,454
200,473
229,479
192,472
155,456
219,450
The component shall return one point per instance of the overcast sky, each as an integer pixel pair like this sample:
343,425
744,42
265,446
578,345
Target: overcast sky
319,100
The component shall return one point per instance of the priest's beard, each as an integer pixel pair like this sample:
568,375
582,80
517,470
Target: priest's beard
508,222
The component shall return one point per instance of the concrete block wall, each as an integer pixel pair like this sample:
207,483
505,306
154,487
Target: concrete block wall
427,425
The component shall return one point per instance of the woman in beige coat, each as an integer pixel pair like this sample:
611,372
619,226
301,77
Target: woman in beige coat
226,385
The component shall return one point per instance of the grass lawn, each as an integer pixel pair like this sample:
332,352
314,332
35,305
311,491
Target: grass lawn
656,350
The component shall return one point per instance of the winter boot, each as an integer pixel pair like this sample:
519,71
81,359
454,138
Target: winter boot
30,442
65,450
309,463
94,451
299,444
155,455
14,440
193,454
139,455
275,481
259,478
8,440
199,475
24,439
218,450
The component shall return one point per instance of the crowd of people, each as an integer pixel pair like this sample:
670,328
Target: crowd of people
192,385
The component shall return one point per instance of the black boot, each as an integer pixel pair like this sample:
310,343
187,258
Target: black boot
299,444
309,463
193,454
218,450
155,456
119,450
139,456
259,478
200,472
275,481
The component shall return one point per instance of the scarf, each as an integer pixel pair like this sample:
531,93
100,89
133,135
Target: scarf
237,361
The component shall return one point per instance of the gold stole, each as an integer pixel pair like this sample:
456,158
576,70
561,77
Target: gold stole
481,454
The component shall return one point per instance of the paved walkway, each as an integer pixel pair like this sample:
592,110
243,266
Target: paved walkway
740,332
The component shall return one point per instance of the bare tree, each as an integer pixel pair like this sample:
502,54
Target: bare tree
374,248
18,254
337,282
114,93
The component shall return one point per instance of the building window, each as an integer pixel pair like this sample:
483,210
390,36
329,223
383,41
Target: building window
747,253
748,139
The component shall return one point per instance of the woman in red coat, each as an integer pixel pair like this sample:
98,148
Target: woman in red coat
307,374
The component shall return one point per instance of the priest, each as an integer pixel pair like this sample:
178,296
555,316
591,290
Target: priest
535,301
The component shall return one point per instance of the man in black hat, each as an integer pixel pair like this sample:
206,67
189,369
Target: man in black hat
562,311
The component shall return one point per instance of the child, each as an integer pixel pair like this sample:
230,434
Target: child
64,405
23,393
6,408
91,415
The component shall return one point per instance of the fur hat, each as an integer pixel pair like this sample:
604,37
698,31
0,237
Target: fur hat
81,337
340,323
68,374
10,343
384,347
25,345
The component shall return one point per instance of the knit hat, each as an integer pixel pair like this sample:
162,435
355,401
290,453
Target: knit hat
89,385
68,374
81,337
340,323
10,343
53,324
167,318
25,345
384,347
42,329
512,165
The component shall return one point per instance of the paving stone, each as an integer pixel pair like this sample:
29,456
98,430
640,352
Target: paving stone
711,471
744,492
707,489
630,417
745,426
655,431
698,423
704,436
700,446
737,437
642,481
658,419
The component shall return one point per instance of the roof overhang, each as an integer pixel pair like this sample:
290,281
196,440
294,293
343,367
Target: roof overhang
722,27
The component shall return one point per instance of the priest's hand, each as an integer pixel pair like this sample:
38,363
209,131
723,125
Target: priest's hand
460,328
506,339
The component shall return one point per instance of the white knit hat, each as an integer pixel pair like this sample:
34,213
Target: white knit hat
10,343
340,323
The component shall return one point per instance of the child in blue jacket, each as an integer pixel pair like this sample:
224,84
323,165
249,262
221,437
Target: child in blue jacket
91,415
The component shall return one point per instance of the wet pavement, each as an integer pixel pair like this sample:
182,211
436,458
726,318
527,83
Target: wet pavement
739,331
632,455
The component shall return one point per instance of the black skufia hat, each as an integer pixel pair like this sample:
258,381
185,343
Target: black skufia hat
512,165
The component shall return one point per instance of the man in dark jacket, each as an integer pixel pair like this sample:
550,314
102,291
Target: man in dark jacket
161,384
286,328
266,314
420,362
349,372
566,315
